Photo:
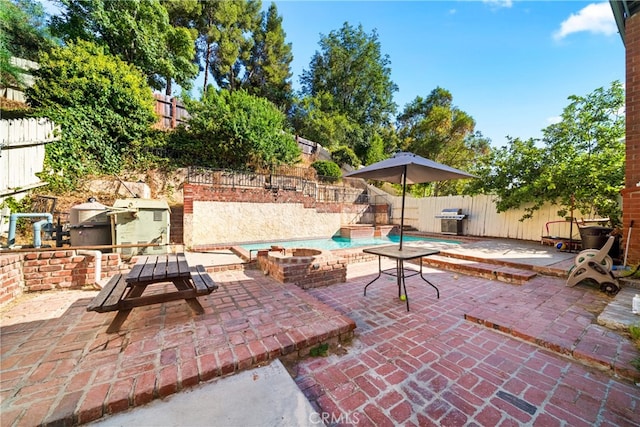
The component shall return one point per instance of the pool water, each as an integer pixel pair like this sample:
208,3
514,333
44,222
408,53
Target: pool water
346,243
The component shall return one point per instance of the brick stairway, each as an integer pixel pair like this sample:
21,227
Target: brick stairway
489,269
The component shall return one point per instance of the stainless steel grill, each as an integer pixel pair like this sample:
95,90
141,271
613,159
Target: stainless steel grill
451,221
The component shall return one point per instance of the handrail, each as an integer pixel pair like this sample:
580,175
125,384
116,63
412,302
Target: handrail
347,190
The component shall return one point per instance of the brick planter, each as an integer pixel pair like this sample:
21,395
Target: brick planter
306,268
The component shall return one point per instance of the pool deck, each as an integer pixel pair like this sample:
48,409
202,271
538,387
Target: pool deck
485,353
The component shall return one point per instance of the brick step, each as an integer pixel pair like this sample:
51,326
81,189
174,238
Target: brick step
487,270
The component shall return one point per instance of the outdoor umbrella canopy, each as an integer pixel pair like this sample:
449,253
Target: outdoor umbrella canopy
408,168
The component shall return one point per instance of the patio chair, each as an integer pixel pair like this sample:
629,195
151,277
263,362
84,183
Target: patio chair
595,265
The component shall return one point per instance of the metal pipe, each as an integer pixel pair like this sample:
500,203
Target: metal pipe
37,227
97,260
404,191
92,247
13,219
626,249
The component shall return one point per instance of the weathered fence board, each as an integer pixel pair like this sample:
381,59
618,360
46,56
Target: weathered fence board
22,149
171,111
482,219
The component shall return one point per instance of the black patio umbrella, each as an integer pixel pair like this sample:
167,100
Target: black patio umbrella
408,168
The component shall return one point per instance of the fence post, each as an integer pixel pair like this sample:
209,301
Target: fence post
173,113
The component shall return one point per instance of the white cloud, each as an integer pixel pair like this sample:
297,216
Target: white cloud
596,18
499,3
553,120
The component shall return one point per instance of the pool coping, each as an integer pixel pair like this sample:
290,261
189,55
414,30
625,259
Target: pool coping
452,259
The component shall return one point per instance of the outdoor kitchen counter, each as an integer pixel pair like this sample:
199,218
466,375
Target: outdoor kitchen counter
400,255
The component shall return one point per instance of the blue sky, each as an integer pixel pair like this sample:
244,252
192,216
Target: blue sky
511,65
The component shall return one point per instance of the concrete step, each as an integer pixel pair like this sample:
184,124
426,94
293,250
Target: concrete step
484,268
617,315
275,400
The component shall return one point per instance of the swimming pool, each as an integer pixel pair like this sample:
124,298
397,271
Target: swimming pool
345,243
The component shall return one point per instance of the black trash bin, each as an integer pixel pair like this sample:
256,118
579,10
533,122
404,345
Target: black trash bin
595,237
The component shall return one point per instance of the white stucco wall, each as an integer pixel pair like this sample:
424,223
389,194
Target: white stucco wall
233,222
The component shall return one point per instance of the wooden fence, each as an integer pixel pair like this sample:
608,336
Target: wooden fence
22,147
14,93
482,219
170,110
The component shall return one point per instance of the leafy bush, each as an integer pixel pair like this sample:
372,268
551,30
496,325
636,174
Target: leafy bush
102,105
634,330
329,171
22,205
580,167
233,130
345,155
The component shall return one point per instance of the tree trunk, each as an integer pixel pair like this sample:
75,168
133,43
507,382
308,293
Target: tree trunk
206,67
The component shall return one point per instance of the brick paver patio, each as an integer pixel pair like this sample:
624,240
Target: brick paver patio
485,353
59,367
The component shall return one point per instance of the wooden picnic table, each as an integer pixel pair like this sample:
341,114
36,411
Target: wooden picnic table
124,292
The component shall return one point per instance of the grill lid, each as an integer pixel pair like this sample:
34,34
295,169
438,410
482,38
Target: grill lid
451,213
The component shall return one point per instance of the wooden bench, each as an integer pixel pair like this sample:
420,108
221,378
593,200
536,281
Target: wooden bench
203,282
109,297
122,292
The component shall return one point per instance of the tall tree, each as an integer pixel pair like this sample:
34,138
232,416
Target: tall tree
586,152
183,16
315,118
24,28
23,34
352,70
226,39
432,126
137,31
581,165
268,70
435,128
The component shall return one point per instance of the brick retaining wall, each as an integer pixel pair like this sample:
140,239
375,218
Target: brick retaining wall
254,195
11,282
51,270
176,229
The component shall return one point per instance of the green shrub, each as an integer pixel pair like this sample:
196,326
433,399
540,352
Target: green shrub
102,105
320,350
634,330
328,171
345,155
235,129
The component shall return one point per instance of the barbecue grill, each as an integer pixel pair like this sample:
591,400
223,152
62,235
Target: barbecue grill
451,221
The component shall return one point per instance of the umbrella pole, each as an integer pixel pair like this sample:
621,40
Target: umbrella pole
404,189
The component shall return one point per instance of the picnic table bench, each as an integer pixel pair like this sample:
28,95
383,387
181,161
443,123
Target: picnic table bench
123,292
